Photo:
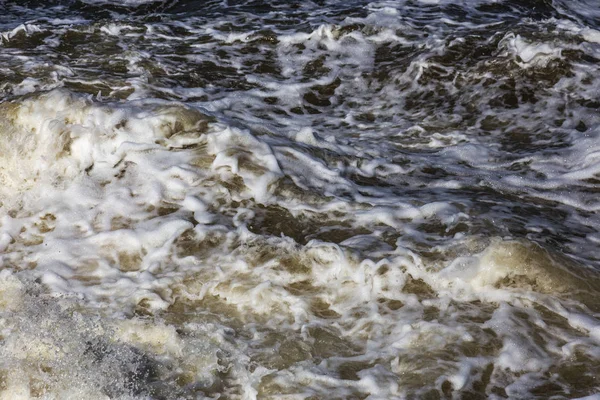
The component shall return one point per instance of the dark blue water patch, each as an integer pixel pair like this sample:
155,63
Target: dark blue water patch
534,9
289,15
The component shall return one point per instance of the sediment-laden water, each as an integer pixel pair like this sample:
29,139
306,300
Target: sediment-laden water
299,200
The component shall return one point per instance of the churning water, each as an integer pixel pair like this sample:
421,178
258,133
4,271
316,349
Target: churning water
319,199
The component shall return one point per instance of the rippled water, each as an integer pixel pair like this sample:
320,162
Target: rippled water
299,200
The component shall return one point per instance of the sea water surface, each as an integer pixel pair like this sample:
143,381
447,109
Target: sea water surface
321,199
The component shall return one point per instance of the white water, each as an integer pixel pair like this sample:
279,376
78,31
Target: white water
355,237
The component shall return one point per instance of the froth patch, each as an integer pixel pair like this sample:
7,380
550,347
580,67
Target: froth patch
53,348
523,265
56,136
32,146
11,292
529,53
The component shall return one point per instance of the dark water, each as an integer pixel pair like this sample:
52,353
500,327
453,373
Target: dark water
328,199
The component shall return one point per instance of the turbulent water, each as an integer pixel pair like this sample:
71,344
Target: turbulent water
325,199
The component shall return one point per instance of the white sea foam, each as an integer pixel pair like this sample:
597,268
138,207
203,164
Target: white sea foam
394,203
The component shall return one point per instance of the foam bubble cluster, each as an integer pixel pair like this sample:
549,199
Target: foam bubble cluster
391,199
